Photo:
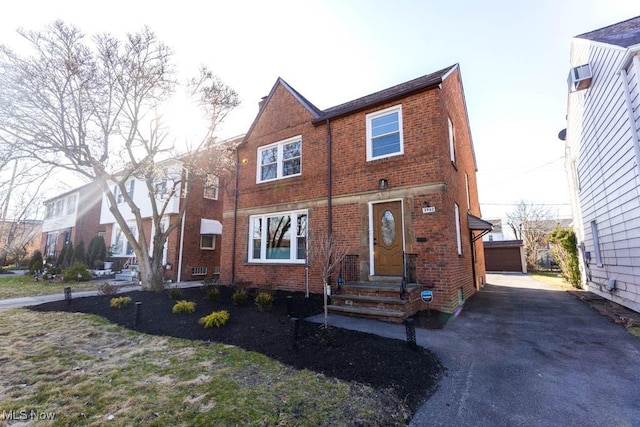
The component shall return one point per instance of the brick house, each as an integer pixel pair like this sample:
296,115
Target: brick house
192,251
71,217
391,175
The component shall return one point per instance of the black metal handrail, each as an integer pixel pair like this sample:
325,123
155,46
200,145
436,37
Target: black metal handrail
349,270
408,271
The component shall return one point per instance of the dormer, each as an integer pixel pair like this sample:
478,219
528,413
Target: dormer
580,77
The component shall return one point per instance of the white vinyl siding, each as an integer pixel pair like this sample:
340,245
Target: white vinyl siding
602,157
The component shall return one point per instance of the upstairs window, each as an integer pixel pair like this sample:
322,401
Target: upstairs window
452,141
211,186
118,194
456,218
280,160
384,133
71,204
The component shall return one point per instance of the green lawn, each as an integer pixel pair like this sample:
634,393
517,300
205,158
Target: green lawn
550,278
15,286
85,371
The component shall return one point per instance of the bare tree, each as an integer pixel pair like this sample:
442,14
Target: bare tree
529,223
94,107
326,254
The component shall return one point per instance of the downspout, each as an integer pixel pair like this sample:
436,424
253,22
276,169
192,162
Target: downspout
473,260
235,219
329,181
184,215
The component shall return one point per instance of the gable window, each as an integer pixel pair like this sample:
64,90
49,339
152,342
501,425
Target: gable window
384,133
207,241
452,141
211,186
278,238
458,234
280,160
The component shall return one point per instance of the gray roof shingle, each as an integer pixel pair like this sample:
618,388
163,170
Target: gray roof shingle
623,34
386,95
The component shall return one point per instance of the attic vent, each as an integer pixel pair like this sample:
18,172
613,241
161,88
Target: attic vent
580,77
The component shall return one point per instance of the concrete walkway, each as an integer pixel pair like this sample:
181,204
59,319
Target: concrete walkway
527,354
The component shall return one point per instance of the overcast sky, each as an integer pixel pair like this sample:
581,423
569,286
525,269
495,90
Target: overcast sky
514,59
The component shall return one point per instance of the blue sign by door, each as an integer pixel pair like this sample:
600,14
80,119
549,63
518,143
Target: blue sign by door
427,296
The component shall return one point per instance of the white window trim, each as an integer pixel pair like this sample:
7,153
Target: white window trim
452,140
123,251
456,209
466,186
213,243
263,241
211,183
375,115
279,162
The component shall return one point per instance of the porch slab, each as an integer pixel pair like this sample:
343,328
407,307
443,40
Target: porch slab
374,313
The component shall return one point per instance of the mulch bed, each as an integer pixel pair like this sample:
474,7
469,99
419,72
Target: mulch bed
340,353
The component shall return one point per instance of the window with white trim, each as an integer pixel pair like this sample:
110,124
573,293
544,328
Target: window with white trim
466,186
208,241
278,238
118,194
282,159
384,133
211,186
71,204
120,246
458,233
452,141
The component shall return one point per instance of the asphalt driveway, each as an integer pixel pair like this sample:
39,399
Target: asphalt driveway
522,353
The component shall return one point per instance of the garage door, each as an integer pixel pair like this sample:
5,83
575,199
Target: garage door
503,259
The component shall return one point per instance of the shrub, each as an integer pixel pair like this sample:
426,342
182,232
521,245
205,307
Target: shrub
565,252
107,289
36,262
240,297
79,253
78,271
217,319
212,293
120,302
264,300
184,307
96,251
174,293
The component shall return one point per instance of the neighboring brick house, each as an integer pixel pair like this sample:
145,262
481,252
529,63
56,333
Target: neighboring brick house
19,239
192,251
391,175
71,217
603,158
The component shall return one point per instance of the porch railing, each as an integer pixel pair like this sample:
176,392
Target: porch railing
349,270
408,271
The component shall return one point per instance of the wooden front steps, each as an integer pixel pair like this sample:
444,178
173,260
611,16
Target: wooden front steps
378,299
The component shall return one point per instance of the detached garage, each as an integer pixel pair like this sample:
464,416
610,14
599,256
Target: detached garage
505,255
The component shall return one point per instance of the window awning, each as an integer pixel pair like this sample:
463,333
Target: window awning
210,226
479,224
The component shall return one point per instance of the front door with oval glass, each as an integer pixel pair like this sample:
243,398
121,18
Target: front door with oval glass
387,238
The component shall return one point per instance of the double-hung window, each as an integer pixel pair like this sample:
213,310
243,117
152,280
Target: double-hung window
280,160
456,218
278,238
120,245
452,141
118,194
211,186
384,133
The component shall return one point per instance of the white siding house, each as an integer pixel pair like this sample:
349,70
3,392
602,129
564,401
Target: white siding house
603,158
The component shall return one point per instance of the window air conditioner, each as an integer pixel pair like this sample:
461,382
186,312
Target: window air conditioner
580,77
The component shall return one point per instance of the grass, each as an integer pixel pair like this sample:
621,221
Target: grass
550,278
15,286
89,372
